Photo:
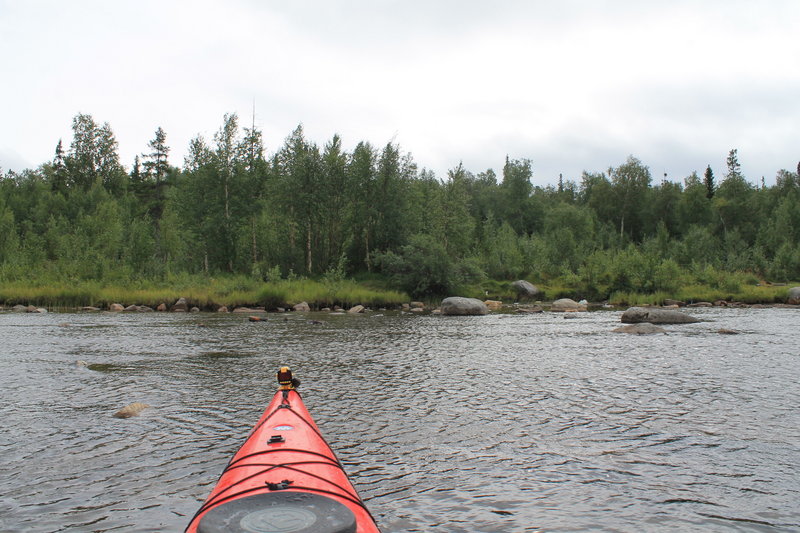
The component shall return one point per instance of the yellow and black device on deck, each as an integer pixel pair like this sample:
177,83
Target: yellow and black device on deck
285,379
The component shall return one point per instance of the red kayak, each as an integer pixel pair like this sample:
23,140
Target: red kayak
285,478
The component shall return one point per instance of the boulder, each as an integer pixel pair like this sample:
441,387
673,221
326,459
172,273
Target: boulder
180,306
493,305
642,328
302,307
525,289
117,308
90,308
222,309
794,296
356,309
417,310
635,315
145,309
242,310
457,305
195,309
415,305
130,410
567,304
19,309
132,308
161,307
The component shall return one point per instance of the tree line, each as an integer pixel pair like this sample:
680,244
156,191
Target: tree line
309,210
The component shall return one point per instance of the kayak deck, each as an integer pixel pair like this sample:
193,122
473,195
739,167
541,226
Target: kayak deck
284,478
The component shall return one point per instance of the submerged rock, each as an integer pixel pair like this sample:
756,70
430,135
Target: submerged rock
634,315
457,305
130,410
530,310
643,328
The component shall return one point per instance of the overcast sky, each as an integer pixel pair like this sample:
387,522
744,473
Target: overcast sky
570,85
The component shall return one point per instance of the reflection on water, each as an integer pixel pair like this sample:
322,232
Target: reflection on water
496,423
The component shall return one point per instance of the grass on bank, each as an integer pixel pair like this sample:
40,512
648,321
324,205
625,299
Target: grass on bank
205,293
233,291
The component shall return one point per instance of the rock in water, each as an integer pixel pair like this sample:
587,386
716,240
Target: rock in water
494,305
643,328
131,410
634,315
567,304
457,305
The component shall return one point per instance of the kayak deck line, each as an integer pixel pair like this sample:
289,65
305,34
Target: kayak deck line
285,477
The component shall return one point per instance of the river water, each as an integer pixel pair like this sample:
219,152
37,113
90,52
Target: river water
502,423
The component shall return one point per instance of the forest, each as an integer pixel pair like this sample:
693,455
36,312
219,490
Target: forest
231,209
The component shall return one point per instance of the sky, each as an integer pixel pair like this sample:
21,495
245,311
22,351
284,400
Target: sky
571,85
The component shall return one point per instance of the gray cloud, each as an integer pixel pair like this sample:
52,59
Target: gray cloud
571,85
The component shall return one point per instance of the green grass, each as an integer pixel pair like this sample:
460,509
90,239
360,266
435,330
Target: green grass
205,293
232,291
749,294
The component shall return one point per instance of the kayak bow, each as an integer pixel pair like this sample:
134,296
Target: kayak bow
285,478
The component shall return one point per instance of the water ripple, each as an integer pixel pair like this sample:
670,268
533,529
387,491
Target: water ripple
498,423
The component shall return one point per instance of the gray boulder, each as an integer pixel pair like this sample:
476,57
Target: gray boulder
643,328
635,315
524,289
567,304
794,296
180,306
302,307
457,305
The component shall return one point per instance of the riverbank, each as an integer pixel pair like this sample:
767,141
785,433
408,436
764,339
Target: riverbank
209,294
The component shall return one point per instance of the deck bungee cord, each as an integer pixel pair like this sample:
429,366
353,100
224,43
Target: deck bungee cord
284,478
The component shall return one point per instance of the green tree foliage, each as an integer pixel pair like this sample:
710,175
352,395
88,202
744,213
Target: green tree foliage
332,212
708,180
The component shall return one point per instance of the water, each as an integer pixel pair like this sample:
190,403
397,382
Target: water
503,423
